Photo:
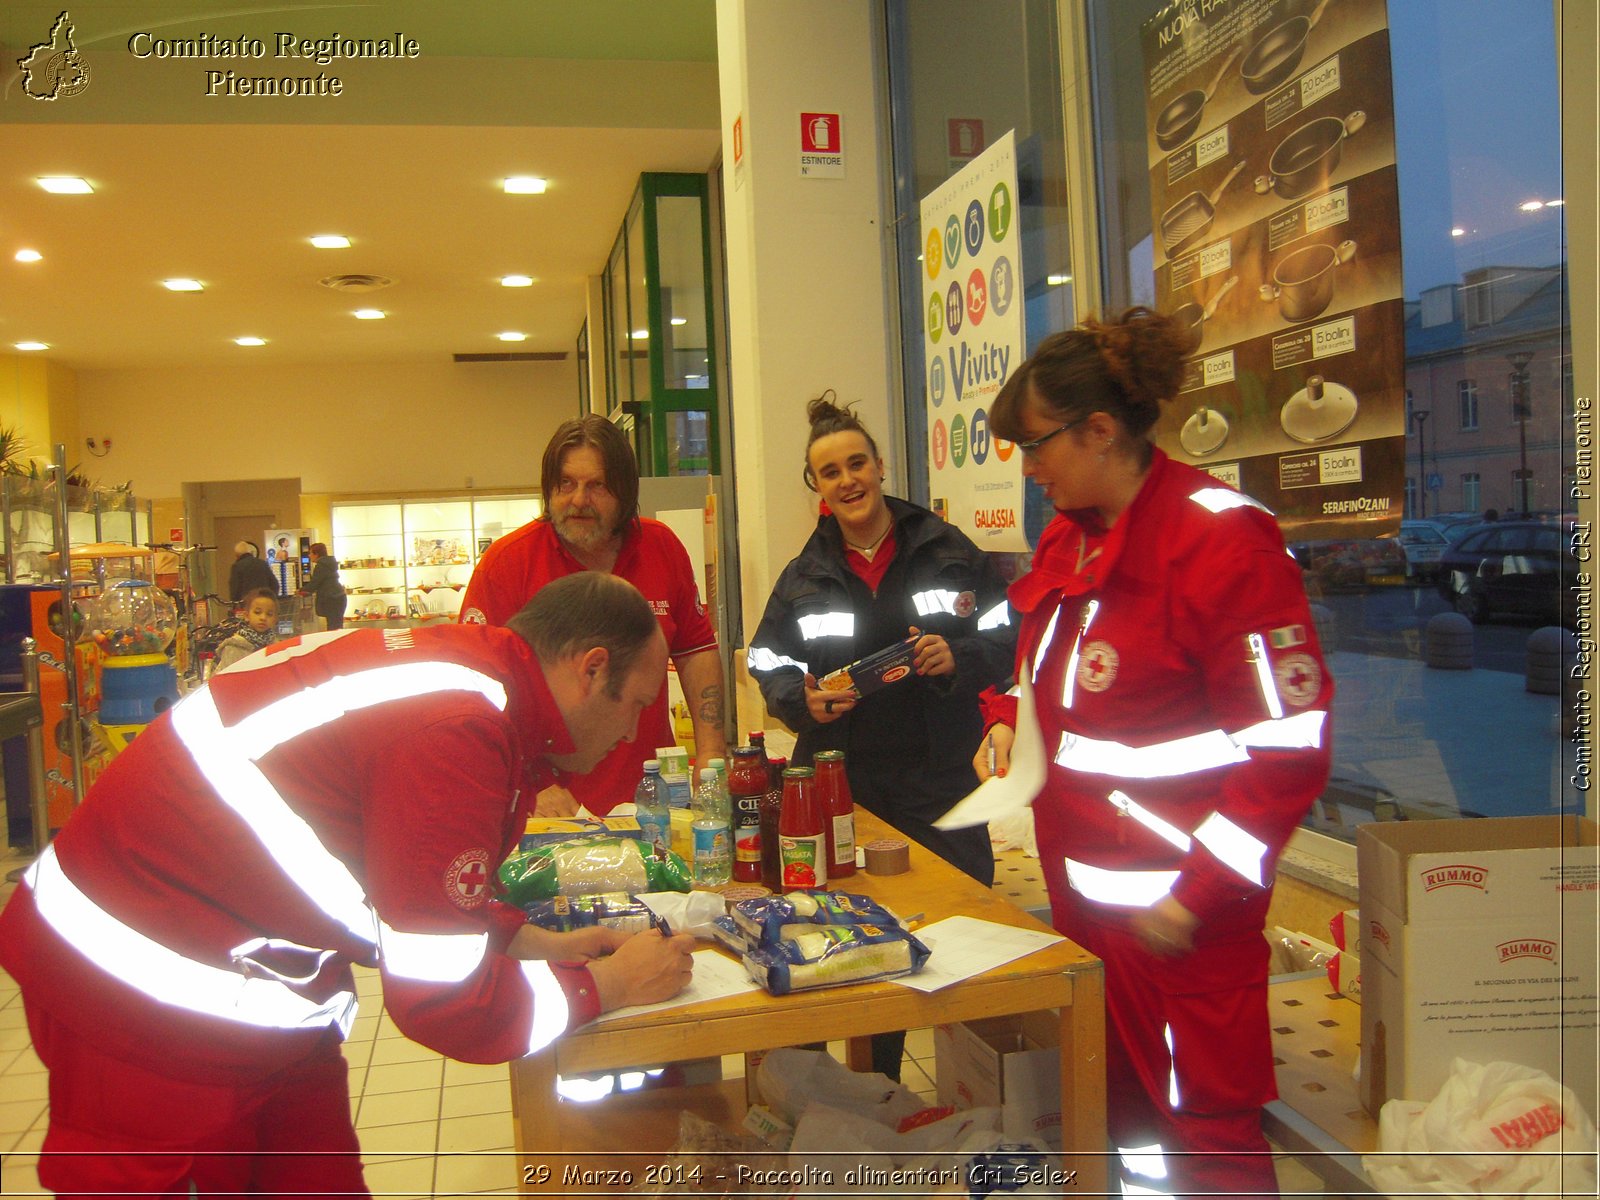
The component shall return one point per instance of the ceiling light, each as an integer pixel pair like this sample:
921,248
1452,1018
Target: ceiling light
1458,232
28,256
1531,205
511,335
1554,203
33,346
330,241
370,314
249,341
516,281
183,285
641,335
680,320
524,185
65,185
1058,280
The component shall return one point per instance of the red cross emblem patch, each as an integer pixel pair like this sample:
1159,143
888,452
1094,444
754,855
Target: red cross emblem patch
966,604
1097,666
466,882
1299,678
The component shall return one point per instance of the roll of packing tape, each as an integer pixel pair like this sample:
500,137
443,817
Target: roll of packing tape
887,856
732,893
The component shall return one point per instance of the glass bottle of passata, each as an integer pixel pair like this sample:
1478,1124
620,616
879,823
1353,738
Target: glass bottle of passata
838,811
802,831
771,809
747,784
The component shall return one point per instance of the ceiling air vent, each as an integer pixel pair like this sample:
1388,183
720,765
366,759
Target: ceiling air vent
514,356
356,283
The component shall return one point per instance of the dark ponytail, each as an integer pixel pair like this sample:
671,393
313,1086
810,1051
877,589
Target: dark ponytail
827,417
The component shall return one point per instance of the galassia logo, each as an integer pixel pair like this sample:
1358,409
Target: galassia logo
1455,875
53,69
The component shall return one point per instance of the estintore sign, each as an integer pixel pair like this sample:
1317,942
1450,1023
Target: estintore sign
821,146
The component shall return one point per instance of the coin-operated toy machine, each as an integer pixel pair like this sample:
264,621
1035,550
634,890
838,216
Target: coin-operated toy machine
132,622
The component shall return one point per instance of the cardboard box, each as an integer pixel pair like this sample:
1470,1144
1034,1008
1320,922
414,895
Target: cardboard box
1013,1063
1478,941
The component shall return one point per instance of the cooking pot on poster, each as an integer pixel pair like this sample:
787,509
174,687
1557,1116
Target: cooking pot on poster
1181,117
1192,317
1302,280
1277,52
1308,157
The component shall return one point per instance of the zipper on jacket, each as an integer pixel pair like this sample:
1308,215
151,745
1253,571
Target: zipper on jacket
1069,684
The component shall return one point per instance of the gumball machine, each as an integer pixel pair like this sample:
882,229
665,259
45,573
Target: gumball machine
132,622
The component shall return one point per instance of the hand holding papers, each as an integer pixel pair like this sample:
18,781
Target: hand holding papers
1000,796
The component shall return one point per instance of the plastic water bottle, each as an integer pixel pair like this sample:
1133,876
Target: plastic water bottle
651,809
713,835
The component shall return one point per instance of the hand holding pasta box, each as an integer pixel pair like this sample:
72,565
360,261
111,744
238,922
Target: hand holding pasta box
877,670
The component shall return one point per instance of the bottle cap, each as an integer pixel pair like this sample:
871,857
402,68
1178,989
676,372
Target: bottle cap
652,764
707,773
798,773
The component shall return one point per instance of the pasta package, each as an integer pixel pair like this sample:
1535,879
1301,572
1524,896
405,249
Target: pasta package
830,955
879,669
771,919
590,866
613,910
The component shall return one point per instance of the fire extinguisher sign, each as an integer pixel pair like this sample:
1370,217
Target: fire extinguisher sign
821,146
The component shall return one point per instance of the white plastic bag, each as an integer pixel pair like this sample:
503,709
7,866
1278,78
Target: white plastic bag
1495,1129
791,1080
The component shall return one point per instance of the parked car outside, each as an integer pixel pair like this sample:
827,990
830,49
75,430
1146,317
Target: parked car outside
1521,568
1351,564
1424,543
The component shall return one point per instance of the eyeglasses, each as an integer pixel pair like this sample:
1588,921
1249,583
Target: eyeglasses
1031,446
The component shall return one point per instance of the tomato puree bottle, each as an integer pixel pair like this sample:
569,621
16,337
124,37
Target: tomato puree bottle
747,784
802,832
771,809
838,812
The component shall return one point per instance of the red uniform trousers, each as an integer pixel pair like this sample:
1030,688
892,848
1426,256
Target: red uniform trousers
117,1129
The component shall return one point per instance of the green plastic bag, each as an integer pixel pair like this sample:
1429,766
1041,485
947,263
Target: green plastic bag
589,866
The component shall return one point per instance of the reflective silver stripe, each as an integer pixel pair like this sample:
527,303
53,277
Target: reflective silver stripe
935,600
827,624
1044,642
1069,682
1233,847
997,616
1135,889
759,658
550,1012
165,975
1163,829
1188,755
248,953
1173,1097
1263,665
431,957
1219,500
1149,1161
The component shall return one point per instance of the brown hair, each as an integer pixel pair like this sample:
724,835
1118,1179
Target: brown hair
585,610
826,418
320,549
616,456
1126,368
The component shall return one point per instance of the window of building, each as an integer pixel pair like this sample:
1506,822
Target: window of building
1471,497
1411,496
1467,402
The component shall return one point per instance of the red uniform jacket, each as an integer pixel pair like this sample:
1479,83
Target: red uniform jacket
343,797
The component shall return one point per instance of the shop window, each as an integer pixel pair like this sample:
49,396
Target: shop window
1467,403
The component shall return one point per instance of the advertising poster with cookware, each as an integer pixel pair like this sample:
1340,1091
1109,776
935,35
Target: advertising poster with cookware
1277,243
972,341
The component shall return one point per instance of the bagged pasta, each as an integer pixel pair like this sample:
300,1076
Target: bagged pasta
613,910
772,919
829,955
591,866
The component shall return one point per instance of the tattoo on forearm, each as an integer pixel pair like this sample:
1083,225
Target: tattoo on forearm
710,710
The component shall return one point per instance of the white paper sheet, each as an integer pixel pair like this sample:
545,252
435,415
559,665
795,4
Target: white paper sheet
715,976
962,947
998,797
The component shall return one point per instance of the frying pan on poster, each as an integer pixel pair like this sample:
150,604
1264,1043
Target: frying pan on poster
1192,317
1185,221
1319,411
1181,117
1278,52
1308,157
1302,280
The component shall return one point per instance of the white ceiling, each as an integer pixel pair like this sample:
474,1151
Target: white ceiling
413,181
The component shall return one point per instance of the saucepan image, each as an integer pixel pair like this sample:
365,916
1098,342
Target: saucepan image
1277,52
1192,317
1184,223
1302,280
1180,118
1308,157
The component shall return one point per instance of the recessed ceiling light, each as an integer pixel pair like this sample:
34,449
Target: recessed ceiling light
1058,280
511,335
516,281
33,346
641,335
1531,205
524,185
28,256
370,314
65,185
249,341
183,285
1458,232
680,320
330,241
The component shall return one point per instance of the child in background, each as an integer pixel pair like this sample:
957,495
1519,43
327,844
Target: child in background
260,612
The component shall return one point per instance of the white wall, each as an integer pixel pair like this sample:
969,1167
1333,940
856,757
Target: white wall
388,428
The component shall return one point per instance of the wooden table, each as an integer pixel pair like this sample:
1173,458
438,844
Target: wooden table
552,1135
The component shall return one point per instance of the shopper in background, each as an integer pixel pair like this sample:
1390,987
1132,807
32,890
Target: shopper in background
325,588
259,611
878,570
591,522
248,572
1183,698
184,946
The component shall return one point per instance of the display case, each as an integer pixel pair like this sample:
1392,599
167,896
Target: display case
408,561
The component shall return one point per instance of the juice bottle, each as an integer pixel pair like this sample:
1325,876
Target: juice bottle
747,785
771,808
802,832
838,811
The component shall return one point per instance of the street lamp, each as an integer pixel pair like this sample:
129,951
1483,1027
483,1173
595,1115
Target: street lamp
1419,417
1521,409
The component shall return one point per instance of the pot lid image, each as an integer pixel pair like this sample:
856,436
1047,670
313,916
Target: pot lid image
1319,411
1204,432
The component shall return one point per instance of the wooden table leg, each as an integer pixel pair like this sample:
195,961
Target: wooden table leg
1083,1082
536,1117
